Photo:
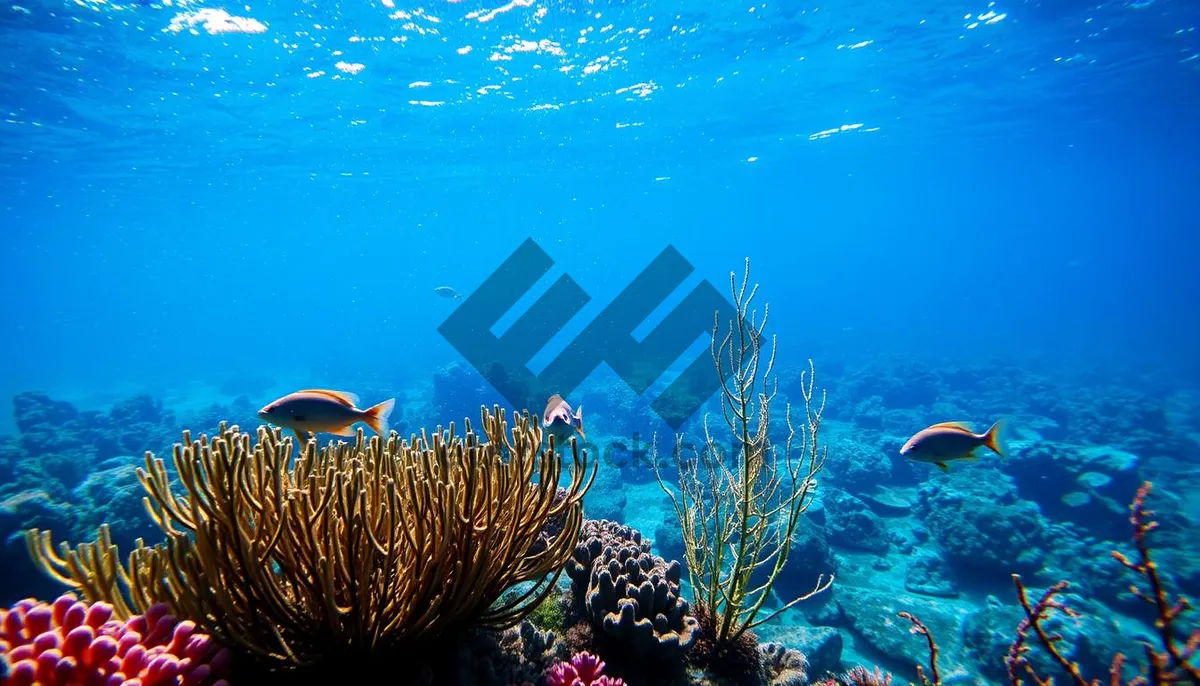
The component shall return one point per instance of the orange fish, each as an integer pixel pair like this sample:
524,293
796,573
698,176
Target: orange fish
947,441
309,411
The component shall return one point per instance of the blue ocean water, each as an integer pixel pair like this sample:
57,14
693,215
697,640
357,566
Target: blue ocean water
948,206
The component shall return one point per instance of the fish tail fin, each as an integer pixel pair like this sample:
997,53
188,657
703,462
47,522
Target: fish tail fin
579,421
994,440
377,416
303,437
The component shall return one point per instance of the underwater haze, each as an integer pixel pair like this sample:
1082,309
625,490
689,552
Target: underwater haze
960,211
975,179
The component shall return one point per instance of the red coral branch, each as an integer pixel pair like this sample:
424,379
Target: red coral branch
1171,663
1035,615
919,628
1174,660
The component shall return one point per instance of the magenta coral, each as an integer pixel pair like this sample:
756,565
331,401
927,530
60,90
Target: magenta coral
71,642
584,669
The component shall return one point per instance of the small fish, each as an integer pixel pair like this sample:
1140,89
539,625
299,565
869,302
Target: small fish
558,416
447,292
309,411
948,441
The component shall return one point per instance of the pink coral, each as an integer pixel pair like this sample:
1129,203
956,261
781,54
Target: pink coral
71,642
584,669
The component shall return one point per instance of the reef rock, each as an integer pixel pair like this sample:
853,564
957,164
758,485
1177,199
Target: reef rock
888,502
981,523
929,574
606,498
809,558
855,465
872,615
1089,485
853,525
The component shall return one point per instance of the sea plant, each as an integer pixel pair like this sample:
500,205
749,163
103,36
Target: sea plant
741,518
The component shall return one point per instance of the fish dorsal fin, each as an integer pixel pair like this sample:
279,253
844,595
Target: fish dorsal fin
952,425
344,397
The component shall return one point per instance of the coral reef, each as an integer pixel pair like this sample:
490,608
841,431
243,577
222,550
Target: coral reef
1169,662
986,525
71,469
902,538
347,552
458,388
1169,659
71,642
857,465
1089,485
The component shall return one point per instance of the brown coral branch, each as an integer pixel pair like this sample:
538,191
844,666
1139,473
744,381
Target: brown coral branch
1114,673
1174,658
1035,615
935,678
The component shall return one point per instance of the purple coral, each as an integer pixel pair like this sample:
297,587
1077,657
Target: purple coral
584,669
